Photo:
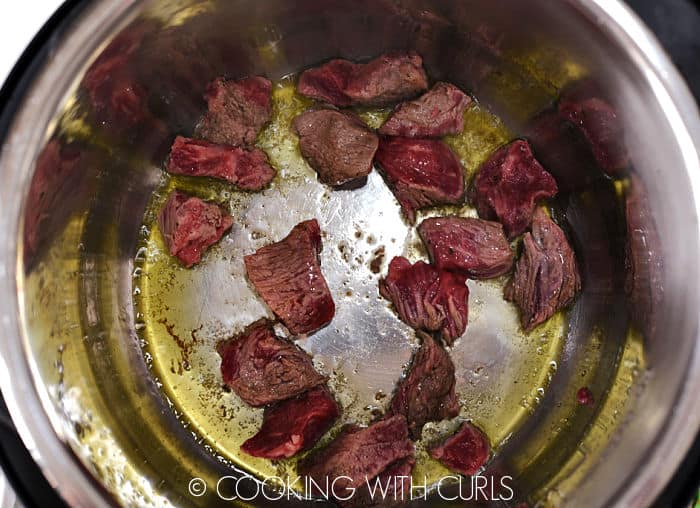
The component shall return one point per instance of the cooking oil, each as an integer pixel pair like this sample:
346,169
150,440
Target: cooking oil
181,314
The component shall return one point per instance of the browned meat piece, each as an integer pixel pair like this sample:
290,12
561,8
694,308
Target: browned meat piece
597,120
465,452
190,226
288,276
474,247
392,487
508,186
237,110
293,425
427,393
262,368
386,79
328,82
421,173
248,169
358,455
426,298
435,114
337,145
546,275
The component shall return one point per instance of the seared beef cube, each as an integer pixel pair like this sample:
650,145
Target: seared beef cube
337,145
392,487
262,368
475,247
386,79
293,425
597,120
190,226
328,82
237,110
453,297
546,275
248,169
437,113
358,455
288,276
421,173
465,452
426,298
508,186
427,393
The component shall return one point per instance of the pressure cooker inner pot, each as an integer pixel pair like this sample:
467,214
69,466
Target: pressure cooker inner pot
122,338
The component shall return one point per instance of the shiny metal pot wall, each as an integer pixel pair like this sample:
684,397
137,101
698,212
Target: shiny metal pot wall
80,163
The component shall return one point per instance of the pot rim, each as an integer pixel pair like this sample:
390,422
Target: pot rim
665,457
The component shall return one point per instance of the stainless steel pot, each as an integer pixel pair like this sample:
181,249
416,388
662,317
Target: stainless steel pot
84,361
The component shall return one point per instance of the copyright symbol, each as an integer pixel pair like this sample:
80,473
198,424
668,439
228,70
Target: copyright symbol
197,487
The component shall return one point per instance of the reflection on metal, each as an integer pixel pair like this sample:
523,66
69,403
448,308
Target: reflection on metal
8,499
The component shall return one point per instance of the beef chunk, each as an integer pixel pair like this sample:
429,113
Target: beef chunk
426,298
386,79
474,247
465,452
328,82
427,393
597,120
293,425
437,113
262,368
421,173
356,455
237,110
288,276
546,276
189,226
248,169
392,487
337,145
508,186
